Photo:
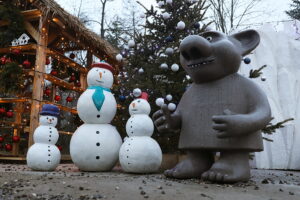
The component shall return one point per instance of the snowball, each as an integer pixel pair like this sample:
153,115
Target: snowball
169,51
172,106
175,67
137,92
131,43
159,101
164,66
166,15
169,97
119,57
181,25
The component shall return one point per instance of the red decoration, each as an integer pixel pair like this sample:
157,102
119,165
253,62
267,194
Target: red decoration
47,61
8,147
54,72
47,92
59,147
8,60
1,139
16,138
78,84
9,114
2,111
16,51
69,99
72,78
27,64
72,55
57,98
3,60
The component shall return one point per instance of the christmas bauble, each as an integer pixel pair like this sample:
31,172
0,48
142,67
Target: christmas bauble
169,51
59,147
171,106
169,97
197,25
3,60
8,147
53,72
1,139
159,102
164,66
16,138
247,60
119,57
27,64
72,56
9,114
263,78
131,43
166,15
141,70
72,78
8,60
175,67
78,84
47,61
2,111
69,99
122,98
169,39
169,1
47,92
181,25
57,98
16,51
137,92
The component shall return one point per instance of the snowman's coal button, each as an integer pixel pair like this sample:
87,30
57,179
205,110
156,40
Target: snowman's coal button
97,157
49,140
50,128
49,150
49,135
48,146
48,154
98,116
97,132
50,131
48,160
98,144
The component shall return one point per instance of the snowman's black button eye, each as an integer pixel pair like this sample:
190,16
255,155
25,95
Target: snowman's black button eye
139,101
52,118
209,38
104,72
47,118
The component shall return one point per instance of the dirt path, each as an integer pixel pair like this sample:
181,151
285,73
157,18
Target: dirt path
18,182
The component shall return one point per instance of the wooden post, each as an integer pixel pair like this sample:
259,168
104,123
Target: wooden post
18,120
38,82
83,77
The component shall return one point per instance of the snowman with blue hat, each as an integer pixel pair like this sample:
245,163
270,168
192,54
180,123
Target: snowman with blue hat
44,155
95,145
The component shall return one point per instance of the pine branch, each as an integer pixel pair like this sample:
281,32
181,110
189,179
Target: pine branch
257,72
271,128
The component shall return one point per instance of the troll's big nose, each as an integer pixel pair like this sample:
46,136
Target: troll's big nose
194,47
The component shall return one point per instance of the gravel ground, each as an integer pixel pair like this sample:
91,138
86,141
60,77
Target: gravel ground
67,182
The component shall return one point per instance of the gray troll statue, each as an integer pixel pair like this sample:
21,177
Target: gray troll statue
222,111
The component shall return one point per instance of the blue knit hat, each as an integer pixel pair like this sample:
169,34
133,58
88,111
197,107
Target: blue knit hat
49,109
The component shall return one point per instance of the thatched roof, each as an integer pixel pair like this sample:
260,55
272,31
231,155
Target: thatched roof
86,36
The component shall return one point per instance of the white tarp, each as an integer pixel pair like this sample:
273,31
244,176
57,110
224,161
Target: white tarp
280,51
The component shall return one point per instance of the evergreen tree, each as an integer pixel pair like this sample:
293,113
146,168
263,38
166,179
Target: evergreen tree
148,65
295,11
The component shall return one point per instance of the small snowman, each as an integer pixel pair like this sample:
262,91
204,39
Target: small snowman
140,153
95,144
44,155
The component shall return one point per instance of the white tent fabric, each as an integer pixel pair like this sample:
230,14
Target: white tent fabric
280,51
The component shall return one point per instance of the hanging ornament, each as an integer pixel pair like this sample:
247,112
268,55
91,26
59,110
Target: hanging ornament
169,97
159,102
47,92
72,78
197,25
137,92
160,3
57,98
26,64
172,106
54,72
141,71
169,39
69,99
181,25
2,111
3,60
263,78
247,60
60,148
77,83
16,51
175,67
1,138
72,56
131,43
9,114
166,15
8,147
169,1
16,139
122,98
169,51
164,66
47,61
119,57
8,60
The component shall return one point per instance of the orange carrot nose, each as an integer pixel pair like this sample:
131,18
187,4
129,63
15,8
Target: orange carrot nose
50,120
100,74
133,105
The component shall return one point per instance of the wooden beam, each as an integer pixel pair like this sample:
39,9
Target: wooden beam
56,81
31,30
38,79
4,22
23,48
18,120
31,15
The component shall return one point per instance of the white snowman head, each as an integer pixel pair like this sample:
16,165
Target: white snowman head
140,105
48,120
101,74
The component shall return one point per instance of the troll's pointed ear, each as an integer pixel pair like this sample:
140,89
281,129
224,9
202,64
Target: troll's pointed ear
248,39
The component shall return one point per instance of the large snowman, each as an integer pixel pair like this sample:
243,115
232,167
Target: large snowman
44,155
95,145
140,153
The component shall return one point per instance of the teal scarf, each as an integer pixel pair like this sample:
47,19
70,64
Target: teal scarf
98,96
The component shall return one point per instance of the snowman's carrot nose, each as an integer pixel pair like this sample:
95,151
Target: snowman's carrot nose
133,105
100,74
50,120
